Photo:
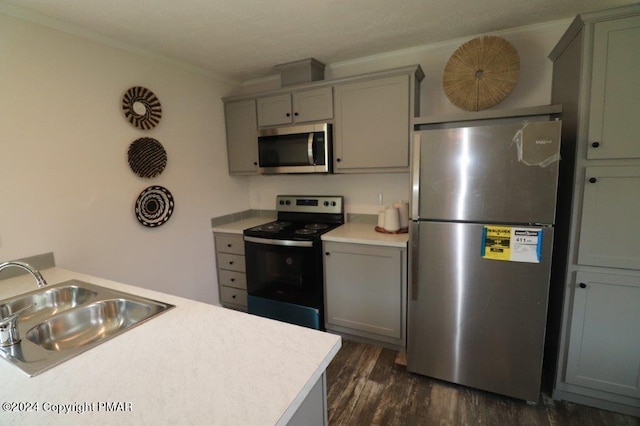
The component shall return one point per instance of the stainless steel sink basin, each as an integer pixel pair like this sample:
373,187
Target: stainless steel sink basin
48,301
70,318
87,324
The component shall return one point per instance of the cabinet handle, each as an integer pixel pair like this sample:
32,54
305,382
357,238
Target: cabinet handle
233,296
229,245
295,113
338,160
327,253
582,285
595,144
231,262
255,163
233,280
288,114
593,180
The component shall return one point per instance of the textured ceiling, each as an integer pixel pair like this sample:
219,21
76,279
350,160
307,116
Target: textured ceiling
244,39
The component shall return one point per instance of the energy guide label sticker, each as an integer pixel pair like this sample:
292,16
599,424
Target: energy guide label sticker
512,244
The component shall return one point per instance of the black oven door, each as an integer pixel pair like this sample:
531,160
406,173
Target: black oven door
285,271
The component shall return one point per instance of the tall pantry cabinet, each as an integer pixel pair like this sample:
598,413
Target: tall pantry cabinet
596,78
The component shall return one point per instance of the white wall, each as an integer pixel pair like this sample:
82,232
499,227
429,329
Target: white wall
533,44
65,184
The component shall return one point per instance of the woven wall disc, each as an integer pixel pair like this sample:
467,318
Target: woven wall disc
481,73
141,107
147,157
154,206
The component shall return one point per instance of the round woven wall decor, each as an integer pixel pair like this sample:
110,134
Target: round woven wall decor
481,73
141,107
147,157
154,206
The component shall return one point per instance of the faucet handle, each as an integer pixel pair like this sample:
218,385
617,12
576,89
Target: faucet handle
9,334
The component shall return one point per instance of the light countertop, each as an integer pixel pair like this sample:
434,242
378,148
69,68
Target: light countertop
357,233
362,233
238,226
194,364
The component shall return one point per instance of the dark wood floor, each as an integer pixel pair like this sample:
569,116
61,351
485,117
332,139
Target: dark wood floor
368,385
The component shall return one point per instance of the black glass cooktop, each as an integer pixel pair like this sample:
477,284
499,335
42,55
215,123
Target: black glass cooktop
291,230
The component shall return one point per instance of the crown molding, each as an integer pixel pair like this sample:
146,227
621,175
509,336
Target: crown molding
90,35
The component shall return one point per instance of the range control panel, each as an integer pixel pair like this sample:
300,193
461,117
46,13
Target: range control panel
331,204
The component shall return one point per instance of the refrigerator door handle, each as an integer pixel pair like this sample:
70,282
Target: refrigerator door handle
414,260
415,178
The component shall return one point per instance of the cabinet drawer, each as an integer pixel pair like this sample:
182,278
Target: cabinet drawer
233,296
232,279
232,262
227,243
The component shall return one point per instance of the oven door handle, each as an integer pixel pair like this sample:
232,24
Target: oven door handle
272,242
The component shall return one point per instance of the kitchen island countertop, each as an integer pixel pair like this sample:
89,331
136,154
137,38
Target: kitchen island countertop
194,364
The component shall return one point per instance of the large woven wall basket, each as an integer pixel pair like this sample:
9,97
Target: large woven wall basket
481,73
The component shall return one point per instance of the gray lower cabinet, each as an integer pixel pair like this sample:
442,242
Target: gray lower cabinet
365,291
604,347
313,410
232,281
241,127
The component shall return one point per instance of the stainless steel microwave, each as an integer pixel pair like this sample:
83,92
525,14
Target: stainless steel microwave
295,149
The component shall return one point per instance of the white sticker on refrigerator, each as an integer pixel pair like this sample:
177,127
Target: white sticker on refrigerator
512,244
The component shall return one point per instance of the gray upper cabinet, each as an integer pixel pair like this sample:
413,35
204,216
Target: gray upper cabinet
610,233
296,107
614,128
372,117
372,125
242,145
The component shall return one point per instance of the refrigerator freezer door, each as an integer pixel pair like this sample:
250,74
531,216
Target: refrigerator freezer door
474,321
499,174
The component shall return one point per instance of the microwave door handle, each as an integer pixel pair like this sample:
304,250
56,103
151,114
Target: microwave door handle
310,149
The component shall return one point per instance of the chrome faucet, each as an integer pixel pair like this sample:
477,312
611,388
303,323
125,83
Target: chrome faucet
9,325
30,269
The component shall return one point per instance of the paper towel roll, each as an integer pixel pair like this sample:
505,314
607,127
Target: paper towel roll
391,219
403,209
381,219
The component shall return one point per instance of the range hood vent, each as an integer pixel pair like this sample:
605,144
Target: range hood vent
304,71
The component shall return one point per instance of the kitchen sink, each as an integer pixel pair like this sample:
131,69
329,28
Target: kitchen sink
87,324
48,301
69,318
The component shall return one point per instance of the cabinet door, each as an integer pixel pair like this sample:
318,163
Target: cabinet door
614,128
609,232
604,344
274,110
372,125
313,105
242,140
363,287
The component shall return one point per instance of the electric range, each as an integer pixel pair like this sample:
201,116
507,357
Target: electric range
284,259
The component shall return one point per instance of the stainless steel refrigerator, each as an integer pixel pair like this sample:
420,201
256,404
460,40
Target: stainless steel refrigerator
481,236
